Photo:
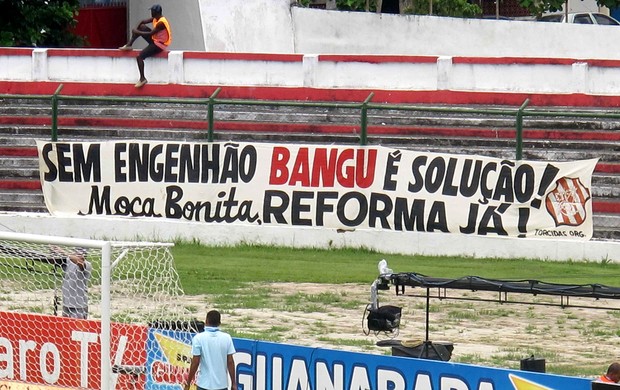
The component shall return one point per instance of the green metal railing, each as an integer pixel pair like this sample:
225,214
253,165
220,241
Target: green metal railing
55,113
519,123
212,101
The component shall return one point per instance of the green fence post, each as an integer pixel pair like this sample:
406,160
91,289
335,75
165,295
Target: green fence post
210,113
364,120
55,113
519,152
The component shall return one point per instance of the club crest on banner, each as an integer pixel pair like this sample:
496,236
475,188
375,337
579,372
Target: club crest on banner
566,203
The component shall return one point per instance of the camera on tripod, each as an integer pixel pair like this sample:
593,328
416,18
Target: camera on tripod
384,319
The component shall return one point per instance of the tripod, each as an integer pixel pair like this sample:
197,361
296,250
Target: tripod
428,345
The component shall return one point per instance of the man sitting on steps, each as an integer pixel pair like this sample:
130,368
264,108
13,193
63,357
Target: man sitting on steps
158,38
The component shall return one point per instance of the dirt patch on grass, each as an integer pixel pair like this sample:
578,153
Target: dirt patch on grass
572,340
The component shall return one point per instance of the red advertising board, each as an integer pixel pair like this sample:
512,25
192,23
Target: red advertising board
57,351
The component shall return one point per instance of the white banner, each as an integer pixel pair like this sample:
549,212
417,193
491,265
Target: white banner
336,187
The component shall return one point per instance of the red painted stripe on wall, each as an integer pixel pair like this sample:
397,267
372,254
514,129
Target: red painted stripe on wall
377,59
20,184
603,63
16,51
599,206
94,53
513,61
17,151
243,56
607,168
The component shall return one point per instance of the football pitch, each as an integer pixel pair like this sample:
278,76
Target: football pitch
316,297
214,269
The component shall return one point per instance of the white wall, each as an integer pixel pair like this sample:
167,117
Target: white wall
319,31
255,26
584,6
410,243
243,72
273,26
184,16
471,74
18,68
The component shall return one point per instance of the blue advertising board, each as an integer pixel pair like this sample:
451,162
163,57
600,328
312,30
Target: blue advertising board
272,366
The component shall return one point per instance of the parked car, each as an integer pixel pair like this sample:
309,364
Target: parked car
581,18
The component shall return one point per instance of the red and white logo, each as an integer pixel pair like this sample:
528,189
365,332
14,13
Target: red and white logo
566,203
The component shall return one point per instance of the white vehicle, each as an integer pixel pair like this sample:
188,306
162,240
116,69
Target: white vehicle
581,18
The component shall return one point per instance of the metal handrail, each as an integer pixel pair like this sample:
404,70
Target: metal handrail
210,114
519,120
212,101
55,113
364,120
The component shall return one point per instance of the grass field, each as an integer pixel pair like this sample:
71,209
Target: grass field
272,293
205,270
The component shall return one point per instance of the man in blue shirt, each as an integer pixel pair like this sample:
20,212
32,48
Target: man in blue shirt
212,352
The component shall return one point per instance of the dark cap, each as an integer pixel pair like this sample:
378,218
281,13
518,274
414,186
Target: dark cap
156,8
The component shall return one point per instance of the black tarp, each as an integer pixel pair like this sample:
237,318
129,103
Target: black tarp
527,286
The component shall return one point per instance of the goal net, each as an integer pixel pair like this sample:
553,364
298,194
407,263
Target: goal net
76,313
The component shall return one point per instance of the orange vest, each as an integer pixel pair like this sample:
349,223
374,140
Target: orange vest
604,379
162,38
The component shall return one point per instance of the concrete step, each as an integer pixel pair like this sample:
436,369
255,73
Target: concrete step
606,234
607,226
467,122
603,188
439,128
605,179
39,112
469,131
18,172
466,117
14,195
608,151
22,200
22,207
18,162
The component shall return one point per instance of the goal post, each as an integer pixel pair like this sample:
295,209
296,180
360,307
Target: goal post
104,285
